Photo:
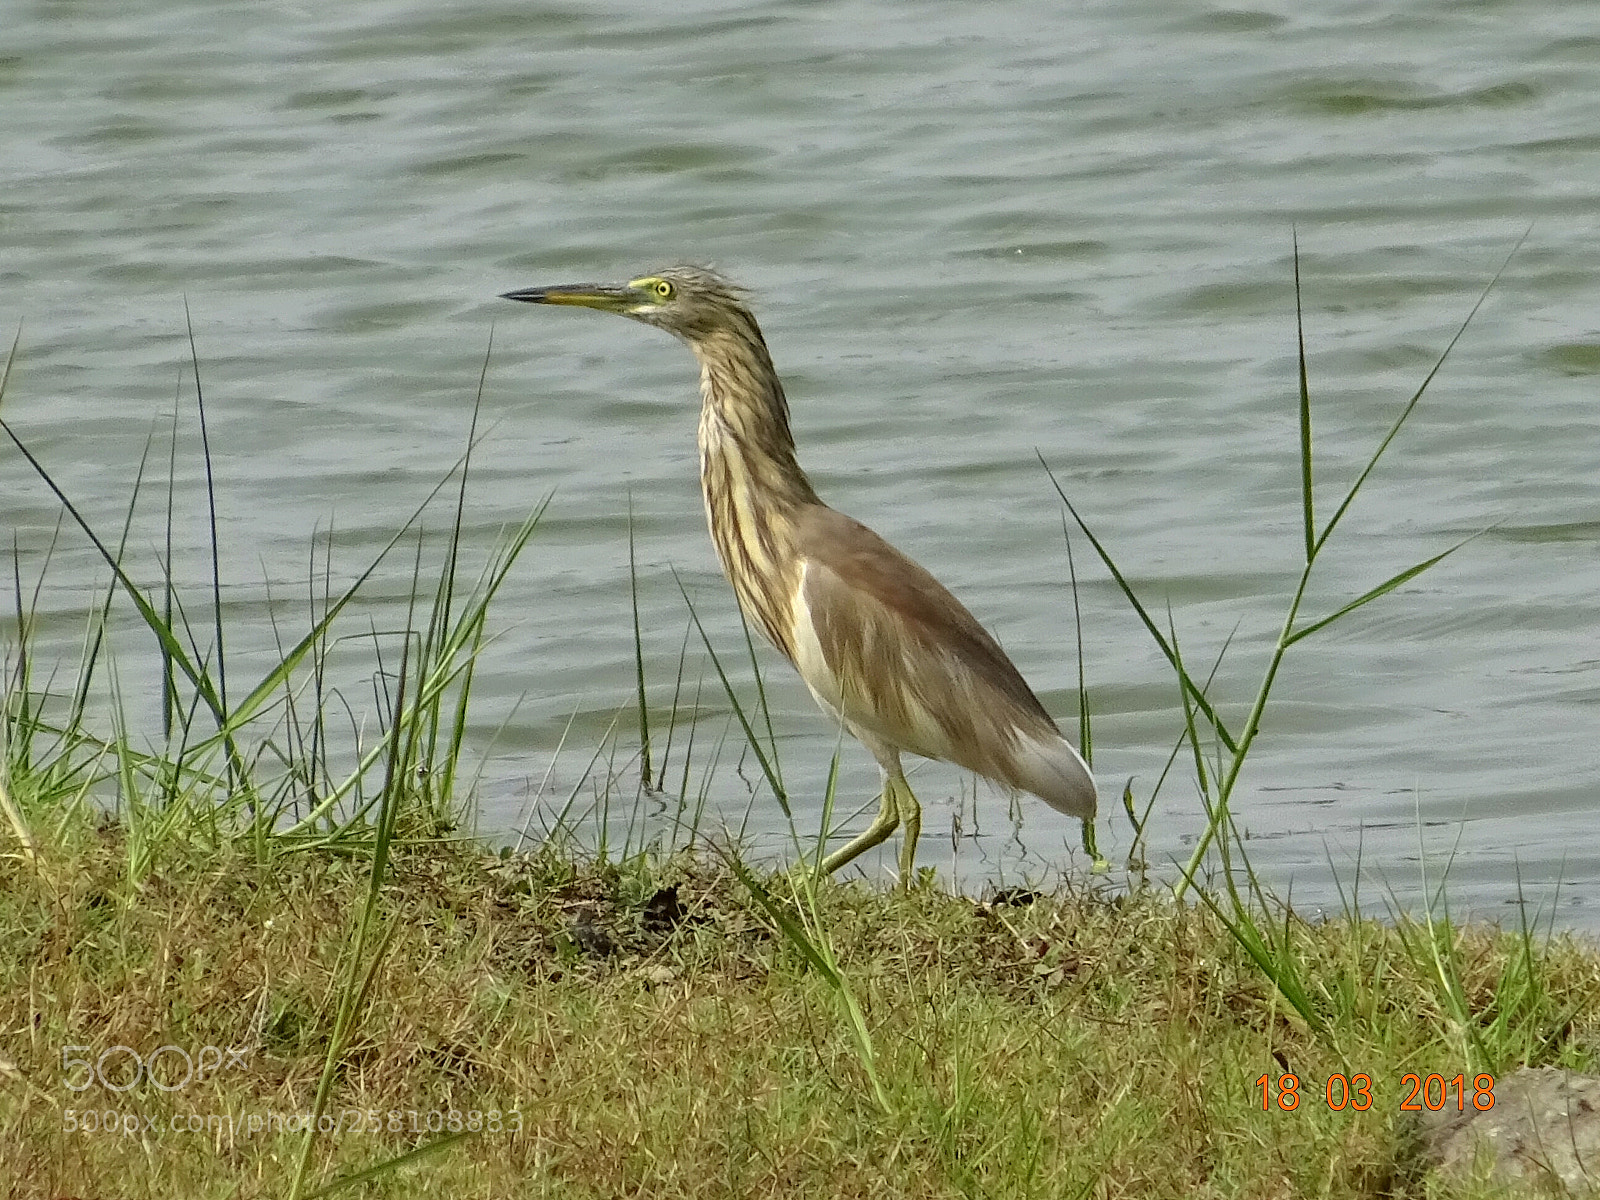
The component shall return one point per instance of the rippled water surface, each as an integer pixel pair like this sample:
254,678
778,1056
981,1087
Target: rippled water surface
974,233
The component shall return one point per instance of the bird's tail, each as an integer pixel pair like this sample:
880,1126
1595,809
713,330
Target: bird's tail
1054,771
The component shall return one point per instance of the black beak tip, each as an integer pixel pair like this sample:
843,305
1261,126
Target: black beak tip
530,295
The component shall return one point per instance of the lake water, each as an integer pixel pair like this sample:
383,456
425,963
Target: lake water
974,233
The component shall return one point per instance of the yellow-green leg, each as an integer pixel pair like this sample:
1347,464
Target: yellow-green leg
911,826
876,833
897,807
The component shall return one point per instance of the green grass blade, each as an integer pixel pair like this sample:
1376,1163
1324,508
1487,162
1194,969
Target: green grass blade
211,509
638,655
11,357
1411,404
269,683
1213,796
774,780
1085,740
1278,967
1132,597
363,971
169,681
162,631
376,1170
80,699
1306,500
822,961
435,679
672,715
1191,730
444,604
1383,589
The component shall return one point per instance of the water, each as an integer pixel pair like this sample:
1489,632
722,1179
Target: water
975,232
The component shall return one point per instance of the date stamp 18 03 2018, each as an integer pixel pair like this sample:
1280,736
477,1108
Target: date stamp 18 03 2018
1433,1092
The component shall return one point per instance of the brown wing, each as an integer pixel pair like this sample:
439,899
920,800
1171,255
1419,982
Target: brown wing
903,650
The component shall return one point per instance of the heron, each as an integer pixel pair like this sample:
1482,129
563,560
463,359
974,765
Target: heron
880,643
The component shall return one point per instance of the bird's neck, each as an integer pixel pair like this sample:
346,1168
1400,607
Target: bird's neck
752,482
744,419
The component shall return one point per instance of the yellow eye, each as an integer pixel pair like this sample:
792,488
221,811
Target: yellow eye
664,289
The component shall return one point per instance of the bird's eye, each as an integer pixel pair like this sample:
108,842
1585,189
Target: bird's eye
664,289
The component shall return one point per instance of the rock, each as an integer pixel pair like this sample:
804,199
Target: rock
658,974
1544,1127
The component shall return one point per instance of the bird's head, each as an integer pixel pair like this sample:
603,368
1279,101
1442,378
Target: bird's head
689,302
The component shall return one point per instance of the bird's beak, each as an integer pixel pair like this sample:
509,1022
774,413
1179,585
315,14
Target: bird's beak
585,295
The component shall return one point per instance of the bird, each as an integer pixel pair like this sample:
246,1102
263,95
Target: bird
880,643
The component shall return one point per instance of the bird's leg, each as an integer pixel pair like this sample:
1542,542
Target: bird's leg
876,833
910,823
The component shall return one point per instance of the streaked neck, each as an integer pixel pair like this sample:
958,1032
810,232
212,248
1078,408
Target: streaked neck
752,482
744,419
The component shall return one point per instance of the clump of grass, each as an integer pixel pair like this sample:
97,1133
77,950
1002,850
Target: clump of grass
259,770
1219,753
261,765
653,1029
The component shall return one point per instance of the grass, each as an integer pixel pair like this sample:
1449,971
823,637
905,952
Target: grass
652,1029
1219,753
243,951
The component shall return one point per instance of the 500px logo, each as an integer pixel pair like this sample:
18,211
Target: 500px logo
168,1068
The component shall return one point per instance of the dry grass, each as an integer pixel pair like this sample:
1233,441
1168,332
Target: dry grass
644,1030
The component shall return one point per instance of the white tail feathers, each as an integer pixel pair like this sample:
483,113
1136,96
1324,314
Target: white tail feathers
1056,773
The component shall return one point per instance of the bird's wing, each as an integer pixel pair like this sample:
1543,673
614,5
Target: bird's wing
904,658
